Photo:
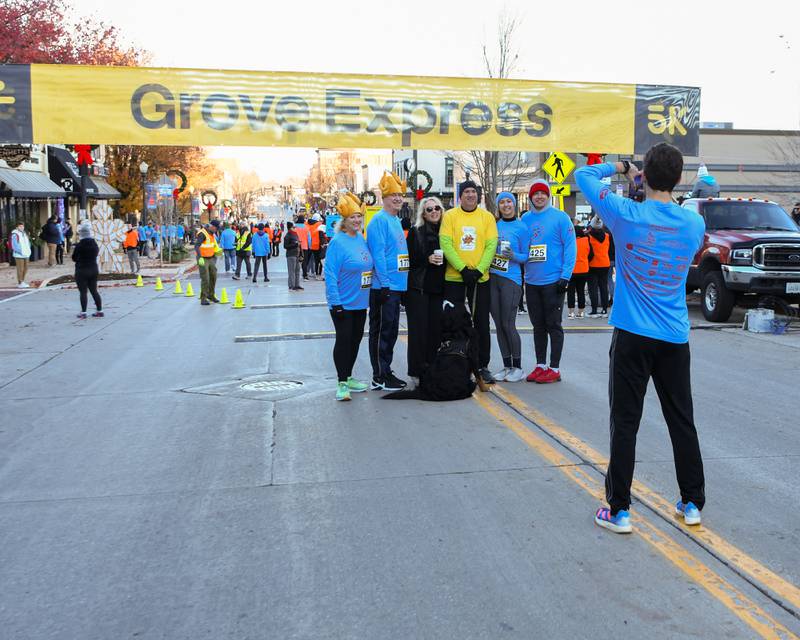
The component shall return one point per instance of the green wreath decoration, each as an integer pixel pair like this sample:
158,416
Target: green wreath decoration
412,181
368,198
181,176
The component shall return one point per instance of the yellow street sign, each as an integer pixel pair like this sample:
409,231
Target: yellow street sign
558,166
562,190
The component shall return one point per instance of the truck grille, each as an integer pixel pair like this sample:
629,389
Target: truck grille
777,256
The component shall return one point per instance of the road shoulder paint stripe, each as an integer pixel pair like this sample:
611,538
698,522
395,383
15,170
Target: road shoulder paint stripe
783,592
733,599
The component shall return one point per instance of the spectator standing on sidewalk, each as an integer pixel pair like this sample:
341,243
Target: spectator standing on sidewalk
85,258
291,243
131,245
651,325
227,240
60,244
21,250
599,266
49,235
68,234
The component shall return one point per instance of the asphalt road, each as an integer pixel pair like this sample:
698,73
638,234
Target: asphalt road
159,479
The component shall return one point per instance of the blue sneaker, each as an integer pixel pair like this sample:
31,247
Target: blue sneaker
690,513
620,523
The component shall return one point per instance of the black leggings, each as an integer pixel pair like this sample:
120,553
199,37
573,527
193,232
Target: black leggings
87,281
545,304
598,279
59,254
577,286
349,327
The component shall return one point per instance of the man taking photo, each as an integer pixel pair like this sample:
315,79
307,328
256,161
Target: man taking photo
655,243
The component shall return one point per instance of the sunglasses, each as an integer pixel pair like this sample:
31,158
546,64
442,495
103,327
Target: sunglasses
432,209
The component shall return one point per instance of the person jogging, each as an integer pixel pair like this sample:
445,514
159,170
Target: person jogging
551,258
348,278
506,285
655,241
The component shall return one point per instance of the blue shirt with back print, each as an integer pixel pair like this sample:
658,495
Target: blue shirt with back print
655,244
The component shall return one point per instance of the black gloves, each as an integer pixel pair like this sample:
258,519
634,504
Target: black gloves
563,285
384,295
338,310
470,276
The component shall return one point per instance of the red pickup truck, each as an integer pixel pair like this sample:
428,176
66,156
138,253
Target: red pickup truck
751,249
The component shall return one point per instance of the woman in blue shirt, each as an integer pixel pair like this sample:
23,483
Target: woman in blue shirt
348,279
506,285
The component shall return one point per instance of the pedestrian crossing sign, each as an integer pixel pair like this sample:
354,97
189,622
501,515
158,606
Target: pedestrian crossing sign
558,166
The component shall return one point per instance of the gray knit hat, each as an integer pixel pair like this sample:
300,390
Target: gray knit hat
84,230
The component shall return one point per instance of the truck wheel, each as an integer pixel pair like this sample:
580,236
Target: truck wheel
717,302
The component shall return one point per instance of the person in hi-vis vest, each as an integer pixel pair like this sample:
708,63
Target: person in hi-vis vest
206,249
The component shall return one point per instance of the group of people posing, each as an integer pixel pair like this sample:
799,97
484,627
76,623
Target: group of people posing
464,256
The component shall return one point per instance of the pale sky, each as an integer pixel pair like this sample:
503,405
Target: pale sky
744,56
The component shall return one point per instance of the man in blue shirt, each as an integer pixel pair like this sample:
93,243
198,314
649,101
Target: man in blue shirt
227,242
655,243
387,244
551,259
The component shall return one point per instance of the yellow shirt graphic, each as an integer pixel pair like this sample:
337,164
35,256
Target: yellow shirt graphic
468,239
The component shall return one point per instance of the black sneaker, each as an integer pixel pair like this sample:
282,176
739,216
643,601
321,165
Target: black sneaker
205,302
486,376
393,383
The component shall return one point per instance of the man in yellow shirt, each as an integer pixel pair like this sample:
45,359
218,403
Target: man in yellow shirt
468,236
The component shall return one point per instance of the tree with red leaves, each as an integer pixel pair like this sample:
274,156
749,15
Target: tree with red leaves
50,31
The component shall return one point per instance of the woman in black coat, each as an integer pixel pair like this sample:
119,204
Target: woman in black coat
86,271
423,300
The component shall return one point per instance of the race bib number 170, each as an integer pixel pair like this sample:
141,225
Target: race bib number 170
537,253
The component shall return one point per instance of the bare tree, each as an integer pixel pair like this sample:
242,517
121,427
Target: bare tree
497,170
246,189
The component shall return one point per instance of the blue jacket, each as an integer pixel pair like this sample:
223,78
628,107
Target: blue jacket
655,245
515,232
348,271
261,244
387,244
551,246
227,239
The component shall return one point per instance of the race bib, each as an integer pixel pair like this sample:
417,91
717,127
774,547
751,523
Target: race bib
366,279
468,238
403,262
499,263
537,253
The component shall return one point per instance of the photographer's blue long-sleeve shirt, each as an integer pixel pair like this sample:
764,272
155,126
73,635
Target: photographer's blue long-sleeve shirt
515,232
348,269
655,244
551,246
387,244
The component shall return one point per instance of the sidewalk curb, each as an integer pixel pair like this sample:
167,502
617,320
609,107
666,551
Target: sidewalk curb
181,272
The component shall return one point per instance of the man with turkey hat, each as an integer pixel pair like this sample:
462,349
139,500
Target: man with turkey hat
551,259
468,237
387,244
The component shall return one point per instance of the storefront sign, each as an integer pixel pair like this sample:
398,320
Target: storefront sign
151,106
15,154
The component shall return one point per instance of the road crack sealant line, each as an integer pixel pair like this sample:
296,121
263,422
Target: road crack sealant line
779,590
733,599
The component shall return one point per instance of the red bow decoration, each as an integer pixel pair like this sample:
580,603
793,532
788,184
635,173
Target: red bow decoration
209,206
420,193
84,152
176,193
594,158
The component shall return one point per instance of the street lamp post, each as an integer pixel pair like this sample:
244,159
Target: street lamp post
143,170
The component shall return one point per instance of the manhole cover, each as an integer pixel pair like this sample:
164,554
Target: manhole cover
272,385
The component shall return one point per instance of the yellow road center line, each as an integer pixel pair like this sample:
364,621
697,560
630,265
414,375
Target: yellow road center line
716,544
733,599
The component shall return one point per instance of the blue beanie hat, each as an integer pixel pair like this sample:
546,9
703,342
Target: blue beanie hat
506,194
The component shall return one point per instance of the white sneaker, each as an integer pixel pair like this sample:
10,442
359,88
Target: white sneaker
22,285
515,375
501,375
571,314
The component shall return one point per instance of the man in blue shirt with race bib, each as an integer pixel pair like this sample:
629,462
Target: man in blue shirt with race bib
655,243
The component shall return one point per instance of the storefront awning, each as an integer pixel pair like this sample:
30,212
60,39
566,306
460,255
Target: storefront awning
64,171
28,184
104,190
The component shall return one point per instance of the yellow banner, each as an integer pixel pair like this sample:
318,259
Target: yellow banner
153,106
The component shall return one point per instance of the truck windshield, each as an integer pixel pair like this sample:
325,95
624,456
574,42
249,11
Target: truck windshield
747,215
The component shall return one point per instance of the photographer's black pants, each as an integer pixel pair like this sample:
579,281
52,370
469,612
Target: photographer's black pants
634,360
545,306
